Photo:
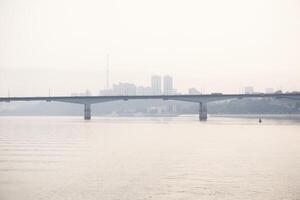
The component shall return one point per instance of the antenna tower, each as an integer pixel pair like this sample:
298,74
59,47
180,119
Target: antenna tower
107,71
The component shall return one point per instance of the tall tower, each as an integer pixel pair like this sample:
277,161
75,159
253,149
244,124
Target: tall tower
156,85
107,72
168,85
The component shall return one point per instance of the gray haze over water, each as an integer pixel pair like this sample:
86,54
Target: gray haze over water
149,158
59,47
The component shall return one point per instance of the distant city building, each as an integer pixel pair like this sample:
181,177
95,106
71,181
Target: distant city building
154,110
193,91
124,89
86,93
249,90
105,92
156,85
132,89
143,90
269,90
168,85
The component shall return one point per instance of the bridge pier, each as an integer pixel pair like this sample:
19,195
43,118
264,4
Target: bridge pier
202,111
87,111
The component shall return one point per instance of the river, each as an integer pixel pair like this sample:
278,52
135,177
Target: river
135,158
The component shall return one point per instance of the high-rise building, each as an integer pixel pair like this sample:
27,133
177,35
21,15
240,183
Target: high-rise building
249,90
124,89
168,85
143,90
156,85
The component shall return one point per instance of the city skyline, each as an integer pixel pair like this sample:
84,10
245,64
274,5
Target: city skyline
238,44
162,85
145,82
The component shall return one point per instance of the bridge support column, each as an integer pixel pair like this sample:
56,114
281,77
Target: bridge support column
202,111
87,111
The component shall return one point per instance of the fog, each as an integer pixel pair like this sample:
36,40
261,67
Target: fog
215,46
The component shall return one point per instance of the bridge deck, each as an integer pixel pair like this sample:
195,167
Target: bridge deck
163,97
201,99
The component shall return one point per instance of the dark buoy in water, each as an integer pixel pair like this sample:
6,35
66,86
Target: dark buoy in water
259,120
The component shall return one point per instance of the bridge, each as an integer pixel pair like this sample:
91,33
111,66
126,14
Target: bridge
202,99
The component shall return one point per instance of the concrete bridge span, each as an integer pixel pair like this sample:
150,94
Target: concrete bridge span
202,99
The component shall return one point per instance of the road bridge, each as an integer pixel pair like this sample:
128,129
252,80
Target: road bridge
201,99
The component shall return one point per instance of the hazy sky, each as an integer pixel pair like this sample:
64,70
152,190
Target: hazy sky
216,45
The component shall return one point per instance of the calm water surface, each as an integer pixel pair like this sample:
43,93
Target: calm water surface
148,158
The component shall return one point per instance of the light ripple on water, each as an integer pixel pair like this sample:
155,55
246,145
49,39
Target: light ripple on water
149,158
